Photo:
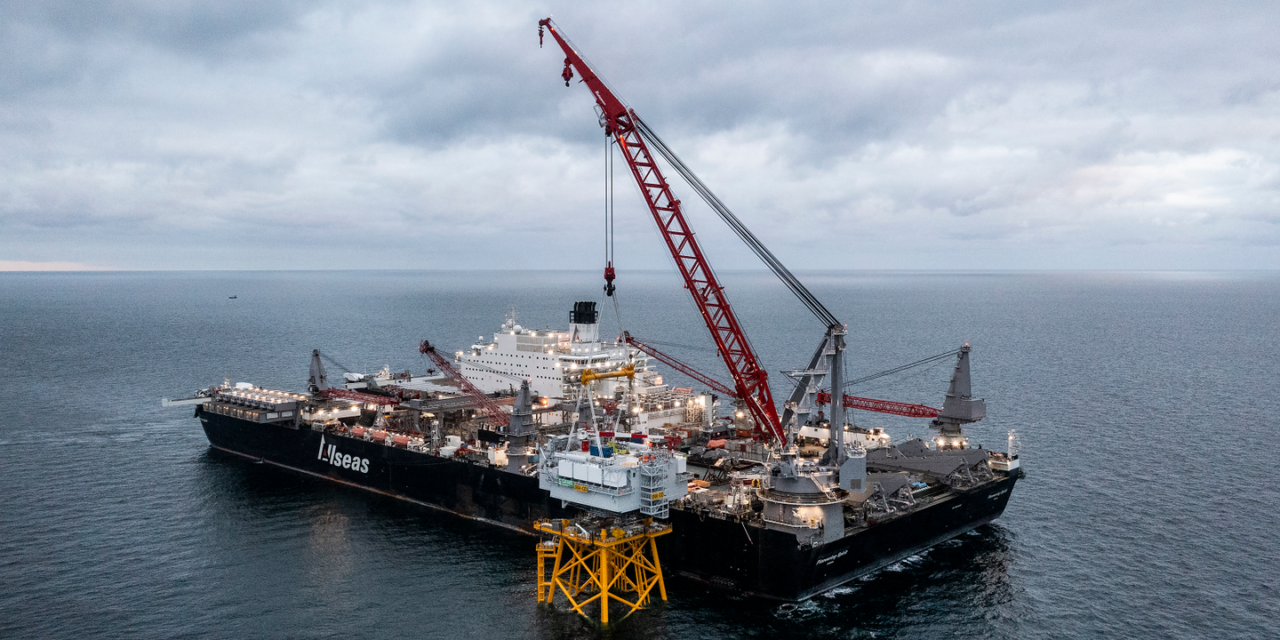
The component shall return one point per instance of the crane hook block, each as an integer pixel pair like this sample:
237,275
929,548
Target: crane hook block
609,275
539,36
567,74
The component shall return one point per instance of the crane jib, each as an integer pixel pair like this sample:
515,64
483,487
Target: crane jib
750,379
483,402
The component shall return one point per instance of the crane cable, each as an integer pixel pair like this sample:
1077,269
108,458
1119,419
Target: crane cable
789,279
661,343
889,372
609,290
345,368
608,200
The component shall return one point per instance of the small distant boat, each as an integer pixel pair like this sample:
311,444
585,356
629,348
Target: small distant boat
231,297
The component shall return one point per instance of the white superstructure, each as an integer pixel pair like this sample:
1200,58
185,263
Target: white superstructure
552,360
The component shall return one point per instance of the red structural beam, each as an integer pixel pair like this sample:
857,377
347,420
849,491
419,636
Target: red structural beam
882,406
710,382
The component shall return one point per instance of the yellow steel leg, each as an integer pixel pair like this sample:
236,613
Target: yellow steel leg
546,551
604,559
603,567
657,568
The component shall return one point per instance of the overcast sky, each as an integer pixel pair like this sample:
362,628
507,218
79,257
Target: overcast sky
263,134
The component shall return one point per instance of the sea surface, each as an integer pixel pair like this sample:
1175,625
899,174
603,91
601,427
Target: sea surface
1146,406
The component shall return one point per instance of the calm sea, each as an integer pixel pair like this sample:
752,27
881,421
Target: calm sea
1146,403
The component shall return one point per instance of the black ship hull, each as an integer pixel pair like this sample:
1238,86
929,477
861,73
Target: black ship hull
727,553
768,563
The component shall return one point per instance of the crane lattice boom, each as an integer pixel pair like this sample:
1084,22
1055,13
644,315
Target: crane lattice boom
751,381
672,362
486,404
882,406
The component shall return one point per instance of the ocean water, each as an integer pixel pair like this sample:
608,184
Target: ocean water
1146,404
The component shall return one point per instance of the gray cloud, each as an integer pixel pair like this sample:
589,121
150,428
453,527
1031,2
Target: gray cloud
892,135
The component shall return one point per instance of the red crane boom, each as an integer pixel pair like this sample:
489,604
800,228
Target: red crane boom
751,381
882,406
714,384
486,404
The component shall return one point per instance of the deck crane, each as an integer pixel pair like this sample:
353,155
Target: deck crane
793,485
751,381
318,384
486,404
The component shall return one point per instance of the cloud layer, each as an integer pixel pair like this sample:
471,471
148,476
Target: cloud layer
848,135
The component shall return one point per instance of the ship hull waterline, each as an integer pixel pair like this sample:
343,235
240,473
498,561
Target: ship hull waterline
726,553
